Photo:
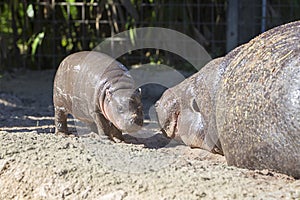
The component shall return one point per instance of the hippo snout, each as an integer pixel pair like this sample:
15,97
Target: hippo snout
136,120
134,124
129,123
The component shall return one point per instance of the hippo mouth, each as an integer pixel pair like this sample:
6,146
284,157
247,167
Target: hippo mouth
172,128
175,129
131,124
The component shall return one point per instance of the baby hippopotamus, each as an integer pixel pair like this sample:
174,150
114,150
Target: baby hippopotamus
99,91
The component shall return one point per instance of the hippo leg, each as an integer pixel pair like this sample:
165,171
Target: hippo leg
106,127
60,121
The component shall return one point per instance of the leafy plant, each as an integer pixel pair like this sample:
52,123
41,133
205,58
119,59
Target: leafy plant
41,33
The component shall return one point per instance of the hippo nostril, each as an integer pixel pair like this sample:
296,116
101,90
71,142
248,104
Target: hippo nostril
136,120
139,122
131,121
134,116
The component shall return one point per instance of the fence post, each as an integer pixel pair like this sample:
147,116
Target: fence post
249,20
232,25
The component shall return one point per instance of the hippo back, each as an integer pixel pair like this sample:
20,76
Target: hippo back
258,103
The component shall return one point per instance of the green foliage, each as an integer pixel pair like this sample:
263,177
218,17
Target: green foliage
73,12
30,11
40,33
36,42
5,16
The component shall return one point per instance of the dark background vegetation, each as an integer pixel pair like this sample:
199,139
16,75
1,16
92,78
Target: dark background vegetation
39,34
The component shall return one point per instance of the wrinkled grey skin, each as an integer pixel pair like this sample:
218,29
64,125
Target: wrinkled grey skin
258,103
186,111
253,106
99,91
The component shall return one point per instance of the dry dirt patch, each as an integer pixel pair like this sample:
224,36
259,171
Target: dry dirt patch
36,164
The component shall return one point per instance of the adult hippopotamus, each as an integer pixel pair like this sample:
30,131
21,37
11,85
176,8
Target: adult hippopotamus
97,90
258,103
249,103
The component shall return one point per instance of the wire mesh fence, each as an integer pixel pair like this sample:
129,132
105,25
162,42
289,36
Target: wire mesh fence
39,34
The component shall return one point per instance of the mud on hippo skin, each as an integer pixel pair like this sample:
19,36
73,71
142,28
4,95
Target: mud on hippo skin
99,91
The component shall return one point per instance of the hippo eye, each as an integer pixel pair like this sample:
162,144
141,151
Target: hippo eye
195,106
120,109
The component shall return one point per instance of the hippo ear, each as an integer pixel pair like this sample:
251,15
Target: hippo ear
138,91
156,104
108,95
194,105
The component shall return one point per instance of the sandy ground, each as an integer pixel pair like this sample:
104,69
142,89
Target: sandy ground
37,164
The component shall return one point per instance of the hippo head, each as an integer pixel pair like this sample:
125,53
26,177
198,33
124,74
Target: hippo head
167,111
184,123
124,109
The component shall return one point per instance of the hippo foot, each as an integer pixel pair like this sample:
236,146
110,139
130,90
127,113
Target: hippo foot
103,137
116,138
216,150
65,134
99,137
